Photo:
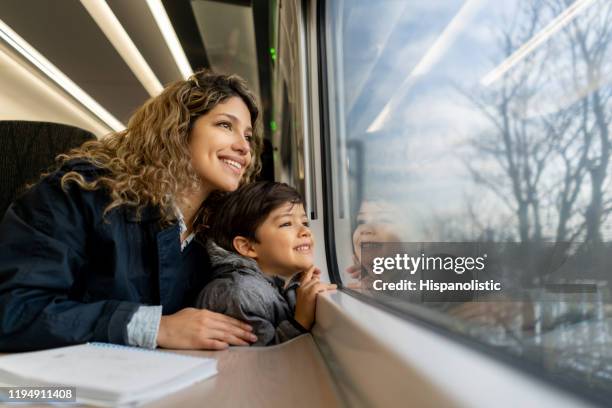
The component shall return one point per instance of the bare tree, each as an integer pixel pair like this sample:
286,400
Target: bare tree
590,39
574,137
515,144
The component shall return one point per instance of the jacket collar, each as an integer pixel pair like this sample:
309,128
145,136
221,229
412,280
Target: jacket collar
148,213
223,261
220,257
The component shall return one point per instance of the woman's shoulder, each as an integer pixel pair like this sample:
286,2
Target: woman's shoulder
82,166
56,183
50,198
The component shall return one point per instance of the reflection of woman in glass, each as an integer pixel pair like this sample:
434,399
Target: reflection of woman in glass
99,248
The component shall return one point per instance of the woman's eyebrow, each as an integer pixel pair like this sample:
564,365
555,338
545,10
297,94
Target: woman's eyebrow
234,119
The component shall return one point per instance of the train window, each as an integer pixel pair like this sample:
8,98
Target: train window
288,138
291,150
470,147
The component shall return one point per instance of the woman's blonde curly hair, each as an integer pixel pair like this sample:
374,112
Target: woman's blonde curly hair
149,163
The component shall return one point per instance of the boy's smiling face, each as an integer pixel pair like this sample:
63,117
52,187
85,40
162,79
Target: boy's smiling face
285,242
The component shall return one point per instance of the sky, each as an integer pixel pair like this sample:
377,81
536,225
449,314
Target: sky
417,159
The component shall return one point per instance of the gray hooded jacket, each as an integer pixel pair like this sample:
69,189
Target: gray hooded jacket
241,290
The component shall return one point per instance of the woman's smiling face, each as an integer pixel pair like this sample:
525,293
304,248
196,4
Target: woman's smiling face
220,145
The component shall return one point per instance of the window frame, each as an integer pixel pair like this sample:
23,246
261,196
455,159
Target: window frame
411,316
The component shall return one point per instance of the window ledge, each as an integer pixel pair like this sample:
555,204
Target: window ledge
378,359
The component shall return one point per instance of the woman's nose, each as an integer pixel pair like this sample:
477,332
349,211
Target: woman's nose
242,146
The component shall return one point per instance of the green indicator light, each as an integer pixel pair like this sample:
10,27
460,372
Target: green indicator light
273,125
273,53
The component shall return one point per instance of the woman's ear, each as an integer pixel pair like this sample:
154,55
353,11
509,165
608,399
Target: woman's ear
244,247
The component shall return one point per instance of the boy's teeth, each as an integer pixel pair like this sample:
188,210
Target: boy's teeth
303,247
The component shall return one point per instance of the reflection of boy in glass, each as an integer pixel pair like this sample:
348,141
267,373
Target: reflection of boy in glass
379,221
376,222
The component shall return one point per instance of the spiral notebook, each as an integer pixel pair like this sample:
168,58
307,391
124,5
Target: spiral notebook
106,374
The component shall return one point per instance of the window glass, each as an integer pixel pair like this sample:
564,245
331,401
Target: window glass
289,129
471,133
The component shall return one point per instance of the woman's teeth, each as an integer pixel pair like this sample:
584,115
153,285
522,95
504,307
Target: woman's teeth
233,163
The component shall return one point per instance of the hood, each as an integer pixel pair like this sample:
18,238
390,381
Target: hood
222,260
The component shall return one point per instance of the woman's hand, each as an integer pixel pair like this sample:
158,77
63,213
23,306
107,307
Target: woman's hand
306,296
192,328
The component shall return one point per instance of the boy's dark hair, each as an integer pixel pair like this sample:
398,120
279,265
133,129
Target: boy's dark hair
241,212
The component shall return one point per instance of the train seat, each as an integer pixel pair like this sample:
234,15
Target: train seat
29,148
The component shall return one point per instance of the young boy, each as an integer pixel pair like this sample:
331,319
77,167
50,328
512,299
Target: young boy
258,243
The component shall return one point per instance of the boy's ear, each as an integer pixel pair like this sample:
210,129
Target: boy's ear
244,247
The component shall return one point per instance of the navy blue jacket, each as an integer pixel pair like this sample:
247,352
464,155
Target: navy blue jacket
69,275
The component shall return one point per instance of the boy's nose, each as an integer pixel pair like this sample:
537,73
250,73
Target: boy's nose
305,231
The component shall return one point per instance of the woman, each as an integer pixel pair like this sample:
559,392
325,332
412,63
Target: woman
101,247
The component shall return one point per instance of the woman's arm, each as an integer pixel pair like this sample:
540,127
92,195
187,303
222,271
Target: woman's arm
44,262
42,250
192,328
